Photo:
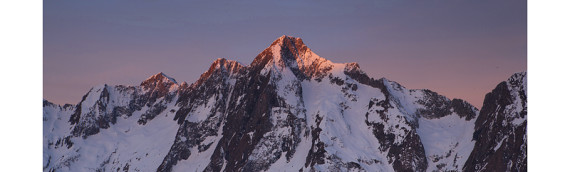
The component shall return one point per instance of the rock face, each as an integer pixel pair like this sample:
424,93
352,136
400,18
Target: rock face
288,110
500,130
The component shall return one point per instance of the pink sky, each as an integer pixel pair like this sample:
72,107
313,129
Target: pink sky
456,48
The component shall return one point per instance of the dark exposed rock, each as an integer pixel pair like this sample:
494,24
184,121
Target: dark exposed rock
317,151
437,106
151,113
463,109
249,117
500,129
410,155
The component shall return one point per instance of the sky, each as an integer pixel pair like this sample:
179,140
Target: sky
460,49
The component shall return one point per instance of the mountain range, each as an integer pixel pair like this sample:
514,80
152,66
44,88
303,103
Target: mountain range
289,110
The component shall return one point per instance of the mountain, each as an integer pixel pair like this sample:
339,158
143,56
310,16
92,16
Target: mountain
500,130
289,110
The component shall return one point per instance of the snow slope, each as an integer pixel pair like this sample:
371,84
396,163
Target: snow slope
289,110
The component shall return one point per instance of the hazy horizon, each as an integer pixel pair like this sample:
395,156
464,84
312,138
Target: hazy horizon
458,49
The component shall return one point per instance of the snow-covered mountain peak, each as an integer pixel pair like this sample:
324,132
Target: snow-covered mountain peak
281,40
159,77
160,82
221,67
353,68
290,52
230,66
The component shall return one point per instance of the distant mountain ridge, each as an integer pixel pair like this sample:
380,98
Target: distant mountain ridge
289,110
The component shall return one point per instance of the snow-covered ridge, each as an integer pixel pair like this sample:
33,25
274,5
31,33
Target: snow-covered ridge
290,109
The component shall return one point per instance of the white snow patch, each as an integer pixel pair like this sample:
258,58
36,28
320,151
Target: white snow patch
445,138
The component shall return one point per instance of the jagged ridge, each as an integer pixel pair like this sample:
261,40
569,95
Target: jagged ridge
288,109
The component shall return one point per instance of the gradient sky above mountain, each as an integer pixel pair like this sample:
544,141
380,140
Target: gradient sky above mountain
461,49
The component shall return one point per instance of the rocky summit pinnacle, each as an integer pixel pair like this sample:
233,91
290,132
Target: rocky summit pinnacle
159,77
291,52
289,110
